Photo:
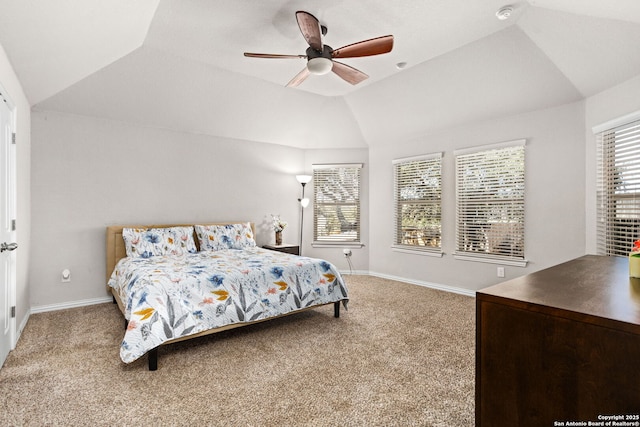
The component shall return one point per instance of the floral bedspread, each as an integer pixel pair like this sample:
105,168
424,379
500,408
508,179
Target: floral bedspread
168,297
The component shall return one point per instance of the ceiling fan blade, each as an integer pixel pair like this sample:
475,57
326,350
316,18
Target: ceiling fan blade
348,74
272,55
369,47
310,29
299,78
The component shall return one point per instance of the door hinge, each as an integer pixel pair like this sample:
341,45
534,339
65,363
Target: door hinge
13,312
13,225
13,138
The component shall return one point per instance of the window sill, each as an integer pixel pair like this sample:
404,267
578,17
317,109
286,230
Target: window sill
422,252
337,245
489,260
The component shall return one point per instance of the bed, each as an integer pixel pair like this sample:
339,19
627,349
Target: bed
174,282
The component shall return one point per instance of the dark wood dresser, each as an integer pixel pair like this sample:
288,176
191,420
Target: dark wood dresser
559,345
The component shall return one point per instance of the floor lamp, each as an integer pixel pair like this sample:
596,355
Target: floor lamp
304,202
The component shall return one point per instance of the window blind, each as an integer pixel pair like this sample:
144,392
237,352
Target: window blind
336,208
417,196
490,201
618,189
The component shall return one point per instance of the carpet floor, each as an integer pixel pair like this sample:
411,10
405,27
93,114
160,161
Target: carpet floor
401,355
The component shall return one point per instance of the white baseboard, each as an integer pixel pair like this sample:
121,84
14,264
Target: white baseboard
354,272
438,286
20,328
70,304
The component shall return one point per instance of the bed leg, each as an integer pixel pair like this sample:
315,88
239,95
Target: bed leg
336,309
153,359
114,299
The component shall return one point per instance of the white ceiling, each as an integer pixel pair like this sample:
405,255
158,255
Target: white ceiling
52,45
422,30
179,64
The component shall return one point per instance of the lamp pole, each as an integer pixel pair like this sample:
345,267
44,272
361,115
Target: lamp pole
301,215
304,202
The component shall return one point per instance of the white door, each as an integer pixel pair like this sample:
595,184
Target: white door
7,231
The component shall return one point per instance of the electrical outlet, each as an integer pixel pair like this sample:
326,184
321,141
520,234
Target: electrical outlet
500,271
346,252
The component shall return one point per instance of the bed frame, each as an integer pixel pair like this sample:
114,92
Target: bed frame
116,251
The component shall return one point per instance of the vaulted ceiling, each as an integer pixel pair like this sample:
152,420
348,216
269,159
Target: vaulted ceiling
179,64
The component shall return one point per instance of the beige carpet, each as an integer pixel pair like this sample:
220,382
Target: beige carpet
402,355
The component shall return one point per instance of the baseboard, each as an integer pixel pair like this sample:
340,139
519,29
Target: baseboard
70,304
438,286
20,328
354,272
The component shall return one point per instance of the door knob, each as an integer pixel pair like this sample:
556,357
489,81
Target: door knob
4,246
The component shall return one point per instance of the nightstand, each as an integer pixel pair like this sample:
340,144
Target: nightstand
286,248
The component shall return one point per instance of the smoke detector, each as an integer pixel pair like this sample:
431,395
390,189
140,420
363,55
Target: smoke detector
504,13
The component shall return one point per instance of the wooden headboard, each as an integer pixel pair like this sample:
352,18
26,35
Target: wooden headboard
115,242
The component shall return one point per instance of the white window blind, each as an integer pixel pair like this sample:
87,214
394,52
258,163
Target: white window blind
336,208
618,189
417,196
490,202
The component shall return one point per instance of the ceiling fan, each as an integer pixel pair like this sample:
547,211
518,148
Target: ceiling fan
320,58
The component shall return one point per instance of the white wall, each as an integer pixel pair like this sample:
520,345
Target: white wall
10,83
610,104
89,173
554,204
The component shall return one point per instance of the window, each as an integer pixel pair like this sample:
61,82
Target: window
417,197
336,209
490,203
618,189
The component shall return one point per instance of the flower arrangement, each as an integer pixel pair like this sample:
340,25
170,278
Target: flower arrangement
635,252
278,224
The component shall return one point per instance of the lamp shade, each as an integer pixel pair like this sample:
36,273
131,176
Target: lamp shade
304,179
304,202
319,65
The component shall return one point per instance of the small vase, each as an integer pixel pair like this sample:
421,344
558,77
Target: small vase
279,239
634,265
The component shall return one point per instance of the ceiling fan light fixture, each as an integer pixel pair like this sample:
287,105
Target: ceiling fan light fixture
320,56
319,66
